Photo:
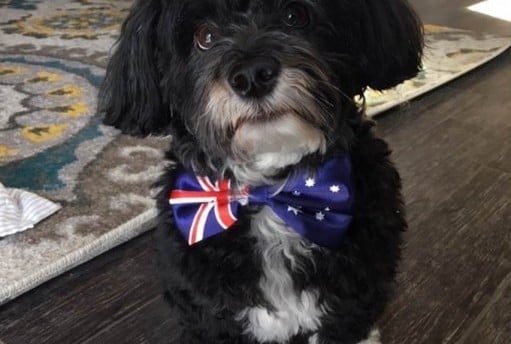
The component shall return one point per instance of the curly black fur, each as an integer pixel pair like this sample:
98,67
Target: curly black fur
157,83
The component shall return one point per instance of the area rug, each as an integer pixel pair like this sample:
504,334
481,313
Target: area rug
52,59
449,54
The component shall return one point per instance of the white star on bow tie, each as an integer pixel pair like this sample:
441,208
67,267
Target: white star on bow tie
320,216
310,182
335,188
293,210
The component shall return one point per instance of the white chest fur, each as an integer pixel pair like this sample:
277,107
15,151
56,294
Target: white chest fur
293,311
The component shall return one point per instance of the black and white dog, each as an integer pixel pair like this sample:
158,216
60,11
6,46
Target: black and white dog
259,97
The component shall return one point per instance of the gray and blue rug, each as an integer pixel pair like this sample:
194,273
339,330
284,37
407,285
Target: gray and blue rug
52,59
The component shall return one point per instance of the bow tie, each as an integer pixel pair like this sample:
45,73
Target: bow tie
317,206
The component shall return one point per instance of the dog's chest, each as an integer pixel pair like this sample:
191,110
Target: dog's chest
293,310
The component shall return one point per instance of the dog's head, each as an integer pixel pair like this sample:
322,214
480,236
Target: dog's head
238,80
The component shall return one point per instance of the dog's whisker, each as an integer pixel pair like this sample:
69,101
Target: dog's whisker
337,90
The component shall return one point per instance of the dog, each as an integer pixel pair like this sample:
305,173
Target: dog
280,211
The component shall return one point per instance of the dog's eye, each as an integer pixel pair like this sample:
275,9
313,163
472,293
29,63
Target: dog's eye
205,36
296,15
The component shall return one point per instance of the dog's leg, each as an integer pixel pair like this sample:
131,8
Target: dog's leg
347,328
197,326
374,338
189,334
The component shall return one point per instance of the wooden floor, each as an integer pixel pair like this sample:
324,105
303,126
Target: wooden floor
453,148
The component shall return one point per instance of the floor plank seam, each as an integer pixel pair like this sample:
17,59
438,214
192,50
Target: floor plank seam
498,169
118,321
487,308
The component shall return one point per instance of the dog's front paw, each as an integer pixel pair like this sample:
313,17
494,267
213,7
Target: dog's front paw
314,339
374,338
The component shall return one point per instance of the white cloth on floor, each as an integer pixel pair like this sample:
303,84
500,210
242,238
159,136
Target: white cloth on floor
21,210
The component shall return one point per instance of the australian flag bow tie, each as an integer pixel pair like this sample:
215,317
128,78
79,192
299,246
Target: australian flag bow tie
317,206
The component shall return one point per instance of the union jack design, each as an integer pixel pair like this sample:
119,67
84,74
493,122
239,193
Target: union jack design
212,198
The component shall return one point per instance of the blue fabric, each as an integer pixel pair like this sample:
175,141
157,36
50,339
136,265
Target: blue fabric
317,206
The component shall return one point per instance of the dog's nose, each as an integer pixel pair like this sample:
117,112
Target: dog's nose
255,78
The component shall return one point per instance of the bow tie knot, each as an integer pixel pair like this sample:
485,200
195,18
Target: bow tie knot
318,206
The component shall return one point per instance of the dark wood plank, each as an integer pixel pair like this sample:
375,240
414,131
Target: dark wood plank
453,263
152,323
495,320
413,120
457,253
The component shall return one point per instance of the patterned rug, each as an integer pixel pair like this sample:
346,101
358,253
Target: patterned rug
52,59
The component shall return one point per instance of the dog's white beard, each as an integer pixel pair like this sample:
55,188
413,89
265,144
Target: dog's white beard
271,145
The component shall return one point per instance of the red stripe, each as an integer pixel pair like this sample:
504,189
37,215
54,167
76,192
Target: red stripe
206,183
223,212
194,231
177,194
224,216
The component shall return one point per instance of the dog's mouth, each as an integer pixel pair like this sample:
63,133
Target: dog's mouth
259,115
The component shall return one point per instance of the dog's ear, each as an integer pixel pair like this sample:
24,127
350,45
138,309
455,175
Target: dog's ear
130,96
392,37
